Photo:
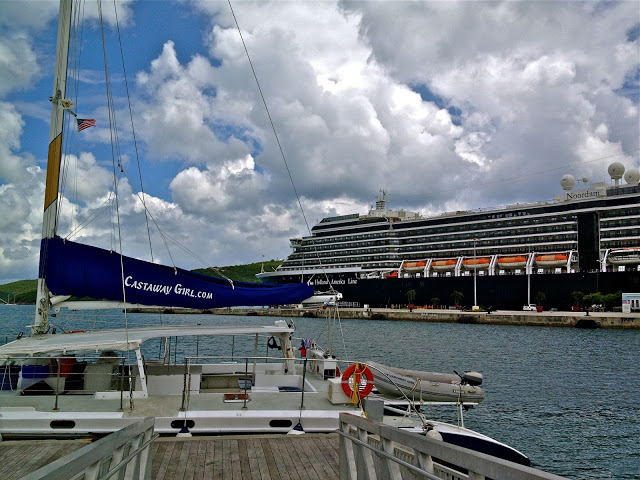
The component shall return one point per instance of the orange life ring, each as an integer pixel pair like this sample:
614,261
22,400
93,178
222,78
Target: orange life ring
365,389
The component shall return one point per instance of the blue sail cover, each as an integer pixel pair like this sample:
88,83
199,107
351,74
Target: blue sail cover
83,271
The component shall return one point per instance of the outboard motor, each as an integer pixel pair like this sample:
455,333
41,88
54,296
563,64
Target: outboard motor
471,378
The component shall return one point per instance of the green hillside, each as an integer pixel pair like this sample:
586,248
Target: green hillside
24,291
241,273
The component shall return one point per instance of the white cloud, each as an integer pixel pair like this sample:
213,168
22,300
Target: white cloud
15,14
177,117
85,179
12,166
212,192
20,225
18,64
536,72
513,92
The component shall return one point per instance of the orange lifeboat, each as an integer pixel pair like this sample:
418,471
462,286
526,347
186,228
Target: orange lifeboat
392,275
507,263
414,267
443,265
557,260
476,263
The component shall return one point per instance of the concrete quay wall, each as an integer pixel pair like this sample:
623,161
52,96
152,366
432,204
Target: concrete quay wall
617,320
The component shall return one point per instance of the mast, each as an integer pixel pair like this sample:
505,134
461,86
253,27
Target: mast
49,222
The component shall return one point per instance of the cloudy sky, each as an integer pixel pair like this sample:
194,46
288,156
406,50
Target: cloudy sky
446,105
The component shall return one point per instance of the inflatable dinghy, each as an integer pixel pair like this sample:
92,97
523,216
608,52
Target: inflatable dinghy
427,386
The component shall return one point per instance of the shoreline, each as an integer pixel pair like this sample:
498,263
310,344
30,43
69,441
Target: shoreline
592,320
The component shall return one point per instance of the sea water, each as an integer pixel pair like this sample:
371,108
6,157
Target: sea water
567,398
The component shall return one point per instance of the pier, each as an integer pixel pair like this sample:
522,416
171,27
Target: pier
615,320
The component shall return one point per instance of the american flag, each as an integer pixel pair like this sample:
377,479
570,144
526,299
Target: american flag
85,123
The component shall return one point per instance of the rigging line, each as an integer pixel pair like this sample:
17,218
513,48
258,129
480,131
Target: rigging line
344,345
75,34
149,214
275,133
14,331
115,179
165,236
94,215
112,224
133,131
64,161
76,68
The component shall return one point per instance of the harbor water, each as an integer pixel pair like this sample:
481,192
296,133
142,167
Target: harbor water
567,398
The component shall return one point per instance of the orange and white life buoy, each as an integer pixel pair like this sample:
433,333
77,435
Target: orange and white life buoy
357,370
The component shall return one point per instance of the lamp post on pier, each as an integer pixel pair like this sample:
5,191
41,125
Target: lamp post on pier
475,273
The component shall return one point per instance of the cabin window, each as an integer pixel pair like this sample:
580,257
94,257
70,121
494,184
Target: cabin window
181,423
280,423
60,424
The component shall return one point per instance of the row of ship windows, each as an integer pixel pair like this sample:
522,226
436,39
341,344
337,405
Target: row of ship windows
626,243
504,248
621,222
624,233
502,244
385,261
557,230
609,218
620,212
309,245
521,221
494,243
367,248
605,213
455,228
467,245
345,242
293,262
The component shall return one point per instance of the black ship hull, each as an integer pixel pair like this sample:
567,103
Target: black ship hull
506,292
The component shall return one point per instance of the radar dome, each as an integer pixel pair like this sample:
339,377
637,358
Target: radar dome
632,176
616,169
567,182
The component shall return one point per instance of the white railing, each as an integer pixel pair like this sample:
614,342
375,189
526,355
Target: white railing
370,451
125,454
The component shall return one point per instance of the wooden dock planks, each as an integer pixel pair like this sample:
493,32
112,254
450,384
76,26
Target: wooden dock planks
264,457
243,457
18,458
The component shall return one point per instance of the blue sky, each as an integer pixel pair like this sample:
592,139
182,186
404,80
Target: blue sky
447,105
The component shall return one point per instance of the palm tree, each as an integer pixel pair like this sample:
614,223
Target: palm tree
457,297
411,295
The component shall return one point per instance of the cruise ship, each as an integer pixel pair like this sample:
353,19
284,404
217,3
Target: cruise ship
587,239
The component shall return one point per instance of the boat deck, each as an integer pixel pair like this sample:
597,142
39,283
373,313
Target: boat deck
267,411
264,457
166,405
